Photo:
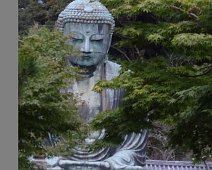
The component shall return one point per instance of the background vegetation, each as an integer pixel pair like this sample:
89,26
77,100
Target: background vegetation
166,45
168,48
43,108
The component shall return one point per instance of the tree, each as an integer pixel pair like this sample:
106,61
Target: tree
45,13
168,45
42,107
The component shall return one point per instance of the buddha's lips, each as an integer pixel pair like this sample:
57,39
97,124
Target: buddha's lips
85,54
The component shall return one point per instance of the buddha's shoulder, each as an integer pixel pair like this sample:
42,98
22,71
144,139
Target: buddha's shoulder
112,69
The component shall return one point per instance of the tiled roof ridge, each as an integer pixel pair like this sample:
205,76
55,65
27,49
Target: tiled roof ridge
149,161
161,164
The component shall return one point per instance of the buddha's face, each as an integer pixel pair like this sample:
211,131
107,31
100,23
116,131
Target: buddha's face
92,40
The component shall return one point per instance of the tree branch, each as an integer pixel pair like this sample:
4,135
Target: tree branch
204,73
123,53
177,8
189,13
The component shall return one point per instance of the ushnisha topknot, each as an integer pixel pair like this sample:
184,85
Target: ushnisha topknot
85,11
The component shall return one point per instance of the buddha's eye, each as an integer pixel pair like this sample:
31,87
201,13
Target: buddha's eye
76,36
97,37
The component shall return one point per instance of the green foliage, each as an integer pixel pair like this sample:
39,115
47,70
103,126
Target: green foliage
31,12
169,45
42,107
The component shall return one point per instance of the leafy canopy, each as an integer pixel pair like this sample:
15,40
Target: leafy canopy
168,45
43,12
43,107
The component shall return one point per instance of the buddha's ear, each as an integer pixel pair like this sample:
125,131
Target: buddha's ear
109,42
100,28
103,28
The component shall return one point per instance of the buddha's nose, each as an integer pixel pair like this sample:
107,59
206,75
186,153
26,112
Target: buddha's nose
86,46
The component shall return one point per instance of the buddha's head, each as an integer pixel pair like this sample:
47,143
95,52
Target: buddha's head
90,26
